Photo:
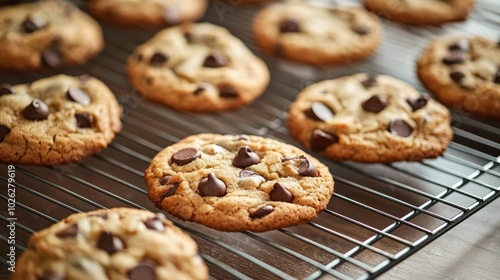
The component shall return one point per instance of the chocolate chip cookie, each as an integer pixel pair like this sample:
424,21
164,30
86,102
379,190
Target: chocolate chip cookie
464,73
236,183
47,34
317,35
421,12
119,243
369,118
197,68
56,120
148,13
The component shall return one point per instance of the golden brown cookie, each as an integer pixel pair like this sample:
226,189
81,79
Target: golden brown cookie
56,120
236,183
47,34
119,243
463,73
317,35
369,118
197,68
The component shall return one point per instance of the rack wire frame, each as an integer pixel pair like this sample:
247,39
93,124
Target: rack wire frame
378,216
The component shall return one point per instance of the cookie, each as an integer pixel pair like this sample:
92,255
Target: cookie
119,243
421,12
316,35
463,73
148,13
56,120
236,183
197,68
47,34
369,118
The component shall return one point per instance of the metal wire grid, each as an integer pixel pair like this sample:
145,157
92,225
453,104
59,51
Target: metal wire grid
378,216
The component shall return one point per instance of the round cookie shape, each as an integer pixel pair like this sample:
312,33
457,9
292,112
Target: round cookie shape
239,183
119,243
421,12
317,35
56,120
463,73
148,13
198,68
374,119
47,34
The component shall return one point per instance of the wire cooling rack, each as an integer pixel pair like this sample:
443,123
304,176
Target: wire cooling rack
378,216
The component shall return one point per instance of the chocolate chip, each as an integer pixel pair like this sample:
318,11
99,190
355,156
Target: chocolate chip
375,103
307,168
454,57
52,57
361,29
69,232
245,157
370,81
158,59
144,270
78,95
164,180
172,190
84,120
156,223
212,186
400,128
215,60
320,112
32,24
460,45
188,36
280,193
185,156
262,211
37,110
419,102
496,78
320,140
6,89
289,25
4,131
228,92
110,243
249,173
49,275
201,88
457,76
171,15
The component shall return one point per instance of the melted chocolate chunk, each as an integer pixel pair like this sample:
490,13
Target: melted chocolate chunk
454,57
370,81
245,157
212,186
69,232
280,193
320,140
6,89
110,243
289,25
84,120
52,57
172,190
320,112
496,78
307,168
375,103
4,131
32,24
37,110
361,29
158,59
400,128
78,95
145,270
156,223
164,180
418,103
457,76
262,211
215,60
460,45
185,156
228,92
201,88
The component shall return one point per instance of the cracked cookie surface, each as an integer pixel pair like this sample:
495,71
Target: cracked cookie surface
463,73
119,243
56,120
197,68
47,34
236,183
316,35
369,118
